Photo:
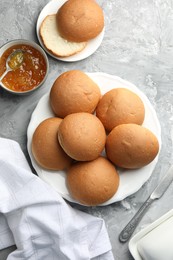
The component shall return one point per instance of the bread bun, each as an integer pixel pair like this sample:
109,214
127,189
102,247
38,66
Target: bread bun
72,92
131,146
80,20
45,146
120,106
82,136
54,43
92,183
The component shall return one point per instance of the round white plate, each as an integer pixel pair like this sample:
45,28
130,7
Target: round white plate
130,180
92,45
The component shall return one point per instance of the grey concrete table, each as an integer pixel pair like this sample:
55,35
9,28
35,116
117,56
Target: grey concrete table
137,46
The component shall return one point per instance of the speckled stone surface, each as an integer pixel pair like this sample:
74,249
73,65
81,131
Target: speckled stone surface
137,46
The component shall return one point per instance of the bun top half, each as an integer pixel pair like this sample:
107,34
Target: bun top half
80,20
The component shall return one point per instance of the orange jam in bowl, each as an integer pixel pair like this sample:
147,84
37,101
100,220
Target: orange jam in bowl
31,73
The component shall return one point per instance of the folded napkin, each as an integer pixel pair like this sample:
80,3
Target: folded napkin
38,220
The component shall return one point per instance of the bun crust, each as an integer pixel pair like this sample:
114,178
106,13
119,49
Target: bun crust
45,146
92,183
120,106
73,91
54,43
82,136
131,146
80,20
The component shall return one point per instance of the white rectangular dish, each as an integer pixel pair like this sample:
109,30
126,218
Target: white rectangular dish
154,241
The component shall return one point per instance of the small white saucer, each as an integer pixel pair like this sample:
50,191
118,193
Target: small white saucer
133,243
92,45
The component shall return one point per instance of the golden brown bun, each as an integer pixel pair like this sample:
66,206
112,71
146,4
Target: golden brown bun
80,20
45,146
131,146
73,91
82,136
92,183
120,106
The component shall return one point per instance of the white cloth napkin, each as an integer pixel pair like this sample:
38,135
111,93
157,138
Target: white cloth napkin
38,220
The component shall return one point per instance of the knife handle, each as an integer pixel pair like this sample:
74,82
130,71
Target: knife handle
130,227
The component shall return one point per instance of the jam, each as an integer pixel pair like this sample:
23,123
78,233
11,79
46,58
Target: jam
29,74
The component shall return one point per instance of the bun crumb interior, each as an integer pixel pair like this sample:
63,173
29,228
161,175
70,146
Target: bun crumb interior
53,41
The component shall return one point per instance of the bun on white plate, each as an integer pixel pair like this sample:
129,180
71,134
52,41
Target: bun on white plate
72,92
46,149
82,136
94,182
131,146
120,106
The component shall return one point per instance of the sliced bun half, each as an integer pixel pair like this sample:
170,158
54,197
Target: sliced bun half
54,43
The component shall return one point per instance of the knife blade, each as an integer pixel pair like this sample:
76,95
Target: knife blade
156,194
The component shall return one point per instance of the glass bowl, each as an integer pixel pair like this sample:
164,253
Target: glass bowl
31,74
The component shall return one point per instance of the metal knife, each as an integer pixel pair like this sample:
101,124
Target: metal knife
156,194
